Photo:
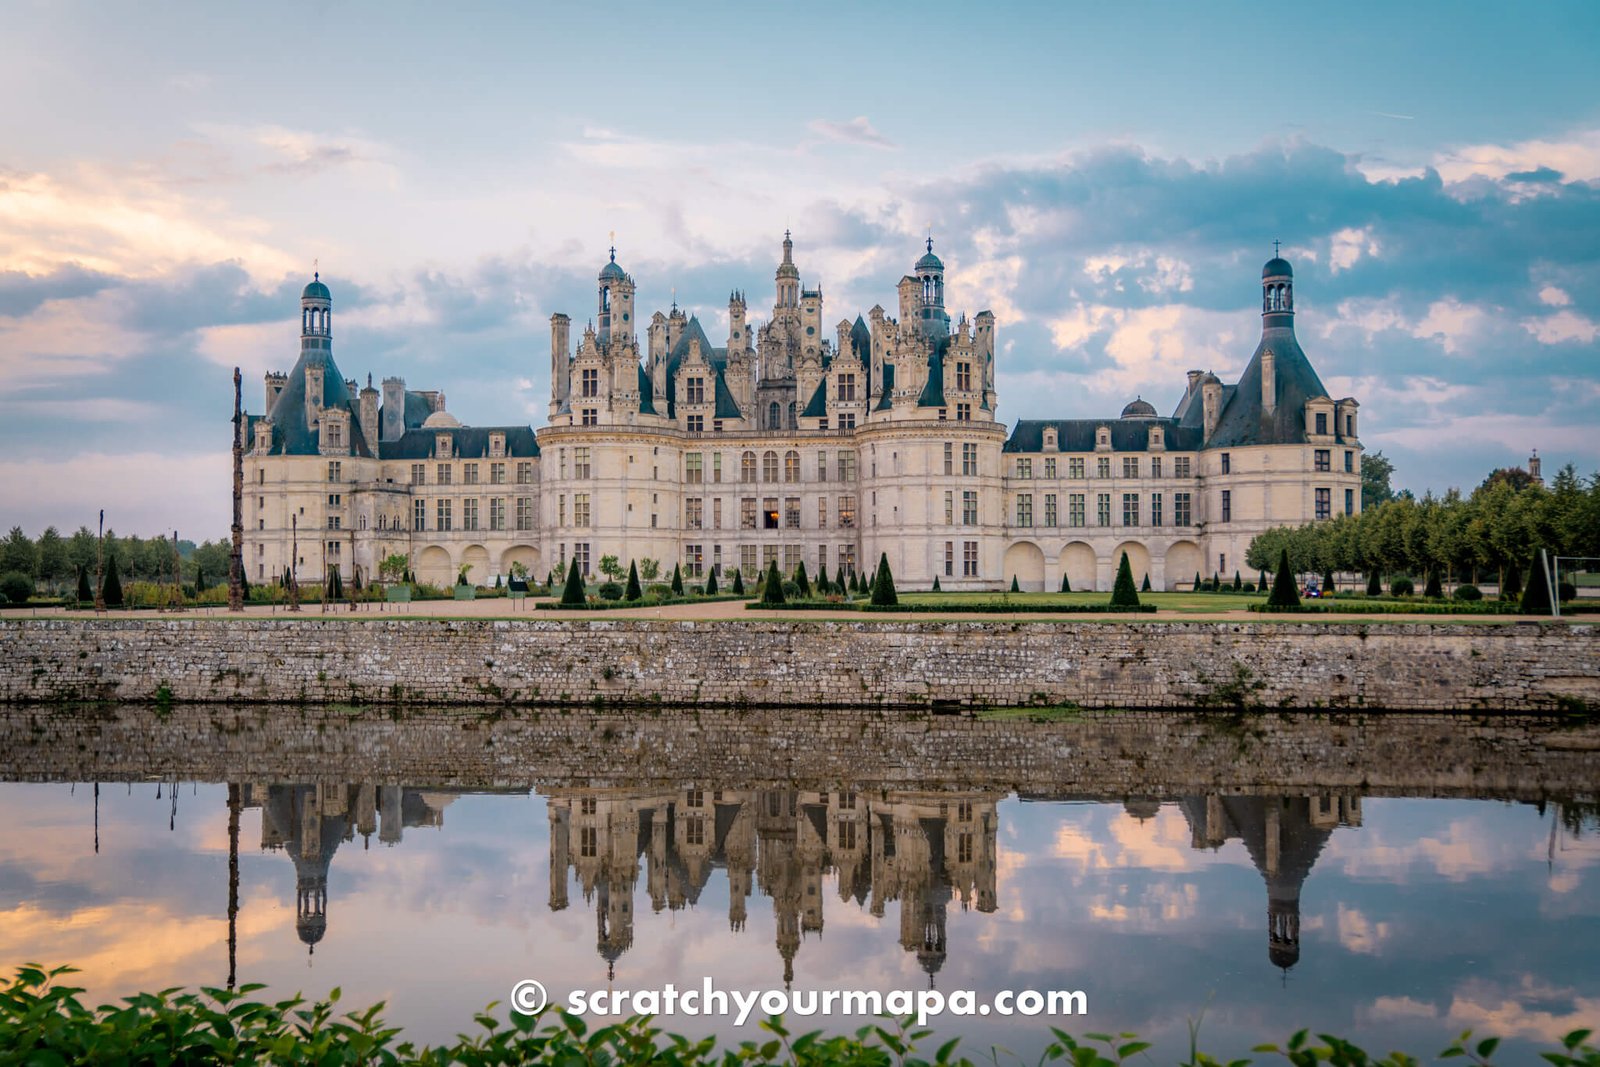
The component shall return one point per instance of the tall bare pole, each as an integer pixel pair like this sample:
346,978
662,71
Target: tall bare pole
236,556
294,557
233,884
99,566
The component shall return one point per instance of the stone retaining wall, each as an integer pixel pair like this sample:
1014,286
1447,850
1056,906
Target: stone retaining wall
735,663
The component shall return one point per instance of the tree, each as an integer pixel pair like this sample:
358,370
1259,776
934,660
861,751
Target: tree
1197,585
199,580
711,583
1537,599
18,554
1123,593
936,588
82,548
1238,583
85,590
1261,582
53,563
1144,587
572,592
649,569
633,591
112,586
1433,590
1328,588
1066,583
1284,594
824,587
335,584
1515,477
611,567
883,594
738,583
15,587
801,582
1015,588
1376,469
772,585
677,580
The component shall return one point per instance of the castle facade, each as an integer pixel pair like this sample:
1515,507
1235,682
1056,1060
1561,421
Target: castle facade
792,441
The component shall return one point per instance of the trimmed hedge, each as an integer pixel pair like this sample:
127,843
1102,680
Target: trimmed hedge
1390,607
645,602
982,608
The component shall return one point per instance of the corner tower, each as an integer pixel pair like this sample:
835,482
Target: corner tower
316,317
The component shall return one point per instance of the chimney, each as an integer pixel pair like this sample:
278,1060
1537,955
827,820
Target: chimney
560,360
1211,400
369,417
394,409
1269,382
1194,379
276,381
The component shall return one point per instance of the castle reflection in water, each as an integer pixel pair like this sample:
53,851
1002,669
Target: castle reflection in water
923,851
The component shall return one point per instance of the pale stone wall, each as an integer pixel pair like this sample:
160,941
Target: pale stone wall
803,663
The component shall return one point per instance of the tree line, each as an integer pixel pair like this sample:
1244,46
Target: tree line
1490,534
51,562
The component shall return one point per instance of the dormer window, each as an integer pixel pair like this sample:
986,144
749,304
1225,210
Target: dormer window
335,434
497,444
1050,439
1102,438
1322,422
441,444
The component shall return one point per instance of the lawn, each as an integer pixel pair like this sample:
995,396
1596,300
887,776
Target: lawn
1190,602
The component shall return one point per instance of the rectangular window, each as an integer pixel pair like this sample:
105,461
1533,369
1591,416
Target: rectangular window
969,559
692,470
747,513
1050,509
963,412
747,558
847,387
949,457
716,513
847,466
580,509
1227,463
591,417
442,515
1180,467
1349,462
1050,467
335,500
444,474
1182,510
1349,501
524,512
694,560
969,508
791,558
847,421
1074,468
969,458
469,474
1102,509
949,559
335,470
580,463
419,474
769,466
580,553
497,474
847,512
847,559
716,466
949,507
469,514
1155,509
791,512
525,473
822,513
1130,466
497,444
769,513
1130,509
695,423
1155,466
694,390
561,510
1227,505
964,377
1322,422
589,382
497,513
1024,467
1075,509
1024,509
693,513
822,466
335,435
1102,467
1322,459
334,522
1324,503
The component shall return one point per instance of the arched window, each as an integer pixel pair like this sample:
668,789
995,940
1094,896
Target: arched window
774,416
747,467
791,466
769,467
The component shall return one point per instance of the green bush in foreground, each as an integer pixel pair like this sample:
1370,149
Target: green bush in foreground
46,1023
1123,593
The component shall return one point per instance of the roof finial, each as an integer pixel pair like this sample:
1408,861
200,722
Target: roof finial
315,273
613,246
1274,249
930,237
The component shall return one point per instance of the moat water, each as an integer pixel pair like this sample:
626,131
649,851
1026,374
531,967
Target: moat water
1398,915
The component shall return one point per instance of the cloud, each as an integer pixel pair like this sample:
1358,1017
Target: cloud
854,131
1563,327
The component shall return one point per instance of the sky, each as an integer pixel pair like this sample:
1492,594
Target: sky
1108,179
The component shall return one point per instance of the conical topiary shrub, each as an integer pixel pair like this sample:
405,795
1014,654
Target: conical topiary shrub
112,587
936,588
1284,594
1144,586
1015,588
1123,593
572,594
738,583
883,594
801,583
85,592
1197,585
1238,584
634,591
1434,589
1216,582
772,585
1066,583
1261,583
1374,583
1536,598
1328,587
677,580
711,583
1513,587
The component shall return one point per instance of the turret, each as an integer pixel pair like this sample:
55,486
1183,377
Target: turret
1211,401
1277,294
788,277
738,330
615,297
316,317
931,314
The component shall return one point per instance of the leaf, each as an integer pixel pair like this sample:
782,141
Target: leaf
1487,1046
